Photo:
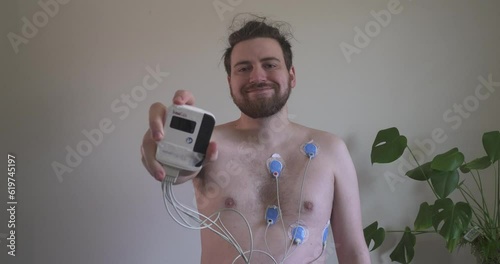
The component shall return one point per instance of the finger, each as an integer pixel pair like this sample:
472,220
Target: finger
143,159
145,164
157,115
212,152
183,97
149,155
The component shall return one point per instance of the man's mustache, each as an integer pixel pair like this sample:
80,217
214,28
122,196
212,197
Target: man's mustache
261,85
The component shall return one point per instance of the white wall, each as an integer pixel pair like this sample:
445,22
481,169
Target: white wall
109,210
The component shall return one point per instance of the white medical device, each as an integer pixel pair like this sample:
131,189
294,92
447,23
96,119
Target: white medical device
187,133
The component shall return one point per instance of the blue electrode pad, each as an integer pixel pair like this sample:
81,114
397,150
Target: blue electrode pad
325,233
275,165
272,214
298,233
310,149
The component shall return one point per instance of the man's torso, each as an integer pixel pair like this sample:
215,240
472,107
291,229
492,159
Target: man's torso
240,180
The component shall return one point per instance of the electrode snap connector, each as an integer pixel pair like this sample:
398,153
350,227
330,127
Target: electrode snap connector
272,214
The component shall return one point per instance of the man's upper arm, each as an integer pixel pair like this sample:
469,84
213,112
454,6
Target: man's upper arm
346,214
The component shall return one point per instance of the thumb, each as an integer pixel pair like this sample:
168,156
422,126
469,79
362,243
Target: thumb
212,152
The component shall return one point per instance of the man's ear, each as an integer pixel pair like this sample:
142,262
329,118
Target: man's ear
293,81
229,80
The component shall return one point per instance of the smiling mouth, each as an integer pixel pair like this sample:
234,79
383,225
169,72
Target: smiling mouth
258,90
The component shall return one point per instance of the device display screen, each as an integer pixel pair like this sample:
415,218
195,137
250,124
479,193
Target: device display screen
183,124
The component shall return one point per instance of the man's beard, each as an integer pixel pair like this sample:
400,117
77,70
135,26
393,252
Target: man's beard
262,107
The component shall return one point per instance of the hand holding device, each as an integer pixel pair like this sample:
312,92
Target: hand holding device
155,133
187,134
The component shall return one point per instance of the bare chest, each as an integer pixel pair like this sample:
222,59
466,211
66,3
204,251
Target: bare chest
245,181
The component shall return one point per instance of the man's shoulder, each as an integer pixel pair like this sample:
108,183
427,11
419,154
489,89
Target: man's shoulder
327,138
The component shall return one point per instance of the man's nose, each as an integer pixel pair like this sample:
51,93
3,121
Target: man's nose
257,75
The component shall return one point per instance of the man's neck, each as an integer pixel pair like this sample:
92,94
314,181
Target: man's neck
274,128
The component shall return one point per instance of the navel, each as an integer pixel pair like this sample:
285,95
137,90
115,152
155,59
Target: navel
229,203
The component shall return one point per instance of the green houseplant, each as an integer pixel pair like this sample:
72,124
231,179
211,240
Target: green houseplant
469,221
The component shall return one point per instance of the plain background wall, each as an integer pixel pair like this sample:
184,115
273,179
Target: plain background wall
65,79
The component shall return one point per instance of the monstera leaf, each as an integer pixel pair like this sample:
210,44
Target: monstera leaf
453,219
445,182
477,164
448,161
491,144
424,217
404,251
373,232
388,146
421,173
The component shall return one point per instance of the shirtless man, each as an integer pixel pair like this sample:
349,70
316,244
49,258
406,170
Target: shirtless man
235,174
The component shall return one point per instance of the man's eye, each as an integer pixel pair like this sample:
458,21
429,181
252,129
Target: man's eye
269,66
242,69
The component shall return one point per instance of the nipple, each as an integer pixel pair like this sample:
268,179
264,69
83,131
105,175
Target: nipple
229,202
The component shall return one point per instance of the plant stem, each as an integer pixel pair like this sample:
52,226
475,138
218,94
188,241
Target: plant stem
477,209
480,187
426,178
412,231
483,210
463,192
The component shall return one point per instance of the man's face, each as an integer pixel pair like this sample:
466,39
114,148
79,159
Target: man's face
260,83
